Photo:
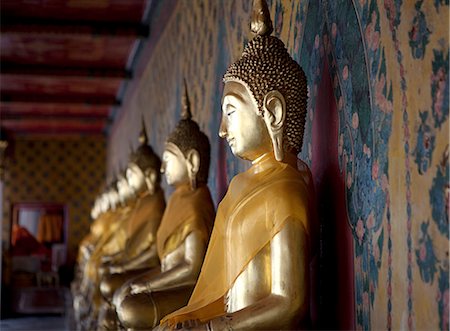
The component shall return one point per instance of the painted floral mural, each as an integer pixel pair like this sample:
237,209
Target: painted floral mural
440,87
426,141
419,33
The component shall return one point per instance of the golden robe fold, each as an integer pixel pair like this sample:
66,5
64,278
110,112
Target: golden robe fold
186,211
143,225
257,205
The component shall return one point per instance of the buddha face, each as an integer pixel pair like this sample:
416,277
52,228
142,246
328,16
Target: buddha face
95,208
241,125
174,165
113,197
124,189
103,203
135,177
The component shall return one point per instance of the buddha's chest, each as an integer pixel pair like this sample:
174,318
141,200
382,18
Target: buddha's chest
253,284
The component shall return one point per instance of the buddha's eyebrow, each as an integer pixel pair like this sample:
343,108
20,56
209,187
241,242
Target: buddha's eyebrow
234,95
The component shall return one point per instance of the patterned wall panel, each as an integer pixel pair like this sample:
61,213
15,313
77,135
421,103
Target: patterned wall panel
389,66
68,171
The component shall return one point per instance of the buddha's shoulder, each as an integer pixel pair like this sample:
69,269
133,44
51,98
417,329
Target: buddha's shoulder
291,179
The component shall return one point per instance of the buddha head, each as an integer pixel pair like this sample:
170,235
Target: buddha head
103,202
123,188
143,169
95,211
113,196
265,96
187,151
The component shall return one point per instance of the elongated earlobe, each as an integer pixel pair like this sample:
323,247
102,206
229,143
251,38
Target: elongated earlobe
193,166
150,181
274,108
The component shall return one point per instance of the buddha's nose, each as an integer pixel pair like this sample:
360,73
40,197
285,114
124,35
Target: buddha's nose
223,127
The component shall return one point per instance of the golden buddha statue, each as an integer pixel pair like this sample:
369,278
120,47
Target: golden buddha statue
121,201
98,216
140,253
183,235
113,237
256,273
143,176
87,244
107,203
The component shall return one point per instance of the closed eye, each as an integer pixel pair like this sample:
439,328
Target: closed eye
231,112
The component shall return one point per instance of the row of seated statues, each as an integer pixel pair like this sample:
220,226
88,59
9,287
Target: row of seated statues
150,264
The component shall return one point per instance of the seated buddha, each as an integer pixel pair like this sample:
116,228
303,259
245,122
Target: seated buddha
108,212
183,235
121,203
99,221
256,273
100,215
139,253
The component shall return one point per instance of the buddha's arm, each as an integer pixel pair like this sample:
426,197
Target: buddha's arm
140,261
185,272
288,301
114,245
85,252
111,257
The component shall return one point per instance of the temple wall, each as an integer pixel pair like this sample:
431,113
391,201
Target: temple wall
387,62
66,171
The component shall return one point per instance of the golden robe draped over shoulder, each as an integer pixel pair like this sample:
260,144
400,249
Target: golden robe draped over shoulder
186,211
116,220
97,228
257,205
143,225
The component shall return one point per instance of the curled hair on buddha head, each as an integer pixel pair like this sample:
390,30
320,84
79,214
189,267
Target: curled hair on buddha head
187,136
265,66
144,156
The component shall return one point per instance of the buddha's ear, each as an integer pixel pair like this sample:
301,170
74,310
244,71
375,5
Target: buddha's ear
150,180
274,108
193,166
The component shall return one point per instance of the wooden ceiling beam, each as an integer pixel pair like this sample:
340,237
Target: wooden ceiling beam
57,135
45,70
53,126
117,11
60,98
36,87
16,110
22,25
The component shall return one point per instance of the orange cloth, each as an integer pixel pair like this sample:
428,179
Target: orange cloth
257,205
24,243
186,211
50,228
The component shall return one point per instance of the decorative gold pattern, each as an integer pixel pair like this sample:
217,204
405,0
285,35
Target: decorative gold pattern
67,171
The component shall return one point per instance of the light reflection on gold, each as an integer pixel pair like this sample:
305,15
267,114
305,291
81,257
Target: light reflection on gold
256,273
182,236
